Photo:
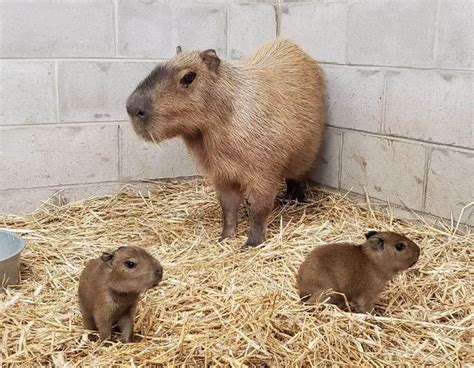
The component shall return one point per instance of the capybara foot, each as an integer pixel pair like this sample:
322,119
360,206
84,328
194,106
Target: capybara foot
227,234
294,191
93,337
253,242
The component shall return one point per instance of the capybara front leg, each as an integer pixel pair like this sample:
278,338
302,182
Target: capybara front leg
104,325
260,208
126,326
87,319
230,202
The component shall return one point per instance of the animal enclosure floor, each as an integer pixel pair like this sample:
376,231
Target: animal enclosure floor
221,306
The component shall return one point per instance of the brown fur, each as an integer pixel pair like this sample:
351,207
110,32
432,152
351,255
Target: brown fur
358,272
109,290
248,124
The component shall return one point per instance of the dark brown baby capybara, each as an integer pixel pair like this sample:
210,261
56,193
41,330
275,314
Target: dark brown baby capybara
248,124
359,272
110,287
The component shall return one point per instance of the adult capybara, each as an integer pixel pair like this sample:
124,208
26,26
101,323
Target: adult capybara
248,124
359,272
110,287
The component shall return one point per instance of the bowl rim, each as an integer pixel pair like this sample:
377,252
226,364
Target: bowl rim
20,248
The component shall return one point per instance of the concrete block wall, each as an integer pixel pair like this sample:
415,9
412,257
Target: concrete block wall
399,76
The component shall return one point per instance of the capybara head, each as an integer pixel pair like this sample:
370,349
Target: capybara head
393,252
176,97
132,270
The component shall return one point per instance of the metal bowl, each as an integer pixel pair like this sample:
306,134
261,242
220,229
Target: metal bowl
11,246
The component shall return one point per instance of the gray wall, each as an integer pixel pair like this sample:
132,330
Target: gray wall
399,75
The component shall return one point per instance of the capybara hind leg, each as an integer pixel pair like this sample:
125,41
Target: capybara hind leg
294,191
230,202
338,300
261,206
363,305
319,297
315,297
312,299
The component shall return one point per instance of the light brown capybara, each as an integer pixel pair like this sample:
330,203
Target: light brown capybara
359,272
110,287
248,124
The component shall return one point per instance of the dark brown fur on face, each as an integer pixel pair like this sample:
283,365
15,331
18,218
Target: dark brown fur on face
248,124
110,287
358,272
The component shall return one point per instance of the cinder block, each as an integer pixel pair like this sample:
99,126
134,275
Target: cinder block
320,1
22,201
432,106
450,184
98,91
200,27
143,160
235,1
326,169
27,92
355,98
155,28
57,28
58,155
388,169
391,33
249,27
455,34
144,29
319,28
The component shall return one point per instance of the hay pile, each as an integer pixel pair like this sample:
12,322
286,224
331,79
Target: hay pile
221,306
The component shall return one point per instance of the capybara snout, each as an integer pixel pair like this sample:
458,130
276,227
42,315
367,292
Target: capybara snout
139,106
142,105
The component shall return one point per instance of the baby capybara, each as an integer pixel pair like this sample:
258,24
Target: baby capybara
248,124
359,272
110,287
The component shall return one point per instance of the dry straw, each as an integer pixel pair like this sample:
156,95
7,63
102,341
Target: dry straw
221,306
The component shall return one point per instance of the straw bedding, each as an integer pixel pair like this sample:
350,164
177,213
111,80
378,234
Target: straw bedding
221,306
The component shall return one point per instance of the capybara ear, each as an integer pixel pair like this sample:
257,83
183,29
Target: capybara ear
376,243
179,50
211,59
107,257
370,233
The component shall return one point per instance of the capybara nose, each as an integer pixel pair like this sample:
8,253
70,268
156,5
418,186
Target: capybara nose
138,107
159,273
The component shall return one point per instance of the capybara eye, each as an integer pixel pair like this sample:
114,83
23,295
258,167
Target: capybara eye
130,264
400,246
188,79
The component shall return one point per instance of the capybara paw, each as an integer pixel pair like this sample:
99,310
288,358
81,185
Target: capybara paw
128,340
294,191
252,243
297,195
93,337
226,235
